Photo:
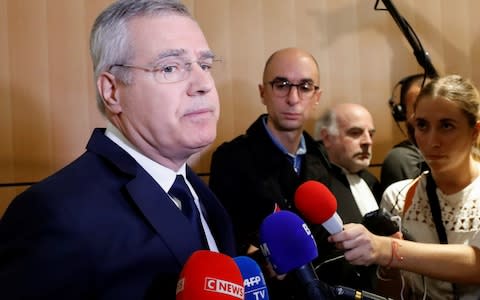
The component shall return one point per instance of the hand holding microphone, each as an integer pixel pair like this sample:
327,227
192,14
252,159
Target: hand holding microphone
318,205
287,243
362,247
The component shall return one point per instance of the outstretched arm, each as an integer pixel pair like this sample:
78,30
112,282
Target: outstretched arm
453,262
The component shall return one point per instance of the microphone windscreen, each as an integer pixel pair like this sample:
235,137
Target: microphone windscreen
209,275
253,279
286,241
315,202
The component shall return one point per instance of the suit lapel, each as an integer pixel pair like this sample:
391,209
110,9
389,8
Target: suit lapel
154,204
163,215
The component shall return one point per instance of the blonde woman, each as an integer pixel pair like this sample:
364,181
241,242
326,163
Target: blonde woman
443,214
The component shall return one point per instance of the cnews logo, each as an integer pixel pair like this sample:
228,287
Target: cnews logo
223,287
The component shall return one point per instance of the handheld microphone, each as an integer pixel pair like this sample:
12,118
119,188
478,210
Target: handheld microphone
286,241
318,205
210,275
341,292
253,280
288,244
381,222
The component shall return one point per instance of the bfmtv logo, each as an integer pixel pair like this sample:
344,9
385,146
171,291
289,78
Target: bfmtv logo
308,232
224,287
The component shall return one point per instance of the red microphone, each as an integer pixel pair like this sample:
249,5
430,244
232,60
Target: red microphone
318,205
210,275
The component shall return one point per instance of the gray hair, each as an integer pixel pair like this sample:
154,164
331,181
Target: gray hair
327,121
109,41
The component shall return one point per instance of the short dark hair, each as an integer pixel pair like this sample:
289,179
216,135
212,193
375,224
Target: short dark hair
407,82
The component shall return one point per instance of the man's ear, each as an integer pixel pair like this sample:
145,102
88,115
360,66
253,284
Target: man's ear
324,136
261,91
317,95
107,86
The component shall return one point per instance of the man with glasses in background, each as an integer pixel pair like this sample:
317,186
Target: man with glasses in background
121,220
258,172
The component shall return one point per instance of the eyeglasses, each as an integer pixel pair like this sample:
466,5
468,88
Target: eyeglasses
281,88
172,71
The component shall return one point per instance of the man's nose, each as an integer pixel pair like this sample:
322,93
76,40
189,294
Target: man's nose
201,81
293,96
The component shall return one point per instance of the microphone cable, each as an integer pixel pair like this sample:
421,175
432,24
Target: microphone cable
329,261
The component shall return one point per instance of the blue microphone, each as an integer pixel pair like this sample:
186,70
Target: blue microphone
253,280
289,246
286,241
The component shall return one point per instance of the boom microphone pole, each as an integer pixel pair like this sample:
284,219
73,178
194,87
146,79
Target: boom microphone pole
421,55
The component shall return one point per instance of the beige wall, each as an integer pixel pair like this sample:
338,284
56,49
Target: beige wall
47,106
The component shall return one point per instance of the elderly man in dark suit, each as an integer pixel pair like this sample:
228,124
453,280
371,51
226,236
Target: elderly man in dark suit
346,132
112,225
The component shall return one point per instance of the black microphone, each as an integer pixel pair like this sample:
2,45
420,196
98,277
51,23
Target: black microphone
381,222
341,292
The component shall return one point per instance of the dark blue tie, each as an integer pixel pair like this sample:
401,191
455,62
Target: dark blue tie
181,191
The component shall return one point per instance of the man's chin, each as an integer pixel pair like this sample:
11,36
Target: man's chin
292,125
203,142
362,164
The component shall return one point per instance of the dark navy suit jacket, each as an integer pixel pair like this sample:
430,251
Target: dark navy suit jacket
250,175
101,228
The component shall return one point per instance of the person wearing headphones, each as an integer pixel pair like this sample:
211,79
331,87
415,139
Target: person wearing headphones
404,160
440,209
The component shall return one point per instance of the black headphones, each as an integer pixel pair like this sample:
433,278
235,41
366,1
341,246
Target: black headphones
399,110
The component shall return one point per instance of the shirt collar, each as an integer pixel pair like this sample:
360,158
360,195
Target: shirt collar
162,175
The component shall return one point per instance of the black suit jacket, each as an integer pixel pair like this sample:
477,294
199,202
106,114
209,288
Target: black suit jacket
250,175
101,228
